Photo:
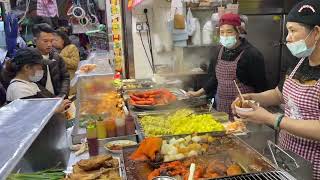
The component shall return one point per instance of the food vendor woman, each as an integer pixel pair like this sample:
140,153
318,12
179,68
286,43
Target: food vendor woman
237,60
300,90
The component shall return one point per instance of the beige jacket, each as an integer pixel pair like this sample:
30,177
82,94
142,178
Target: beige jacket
71,57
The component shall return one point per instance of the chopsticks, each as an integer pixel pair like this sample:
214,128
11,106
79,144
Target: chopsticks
235,83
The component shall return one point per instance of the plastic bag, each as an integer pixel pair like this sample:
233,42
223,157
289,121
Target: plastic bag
191,28
47,8
196,38
207,33
215,20
11,33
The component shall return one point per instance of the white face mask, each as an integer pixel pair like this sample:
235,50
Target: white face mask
38,75
299,48
228,41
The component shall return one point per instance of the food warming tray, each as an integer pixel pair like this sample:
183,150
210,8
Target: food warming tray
254,165
140,130
182,101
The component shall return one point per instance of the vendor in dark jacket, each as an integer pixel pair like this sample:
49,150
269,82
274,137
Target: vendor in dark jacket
237,60
56,78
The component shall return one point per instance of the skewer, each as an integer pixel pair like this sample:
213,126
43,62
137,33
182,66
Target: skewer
192,169
242,99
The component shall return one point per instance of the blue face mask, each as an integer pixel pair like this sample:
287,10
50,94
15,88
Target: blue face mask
228,41
299,48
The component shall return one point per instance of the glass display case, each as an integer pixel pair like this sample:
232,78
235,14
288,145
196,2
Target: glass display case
96,98
95,94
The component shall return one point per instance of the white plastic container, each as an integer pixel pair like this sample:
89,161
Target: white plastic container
242,110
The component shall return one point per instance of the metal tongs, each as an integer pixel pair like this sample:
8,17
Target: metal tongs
276,152
211,105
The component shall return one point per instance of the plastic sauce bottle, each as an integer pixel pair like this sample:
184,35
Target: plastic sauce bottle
101,129
92,139
111,128
130,126
120,124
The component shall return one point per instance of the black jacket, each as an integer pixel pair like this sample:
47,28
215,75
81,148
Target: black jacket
6,77
59,75
250,68
2,95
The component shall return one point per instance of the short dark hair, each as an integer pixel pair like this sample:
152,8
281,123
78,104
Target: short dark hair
64,36
42,27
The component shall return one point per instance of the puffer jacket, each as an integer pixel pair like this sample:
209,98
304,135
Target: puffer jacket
59,75
71,57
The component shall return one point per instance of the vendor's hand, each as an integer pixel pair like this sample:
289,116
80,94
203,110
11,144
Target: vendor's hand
193,94
64,106
258,115
245,97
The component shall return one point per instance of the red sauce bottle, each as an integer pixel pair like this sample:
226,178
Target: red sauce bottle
130,125
92,139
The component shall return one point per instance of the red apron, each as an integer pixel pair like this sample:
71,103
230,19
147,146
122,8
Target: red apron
226,72
302,102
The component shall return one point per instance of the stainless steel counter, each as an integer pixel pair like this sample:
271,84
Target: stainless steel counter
257,138
31,136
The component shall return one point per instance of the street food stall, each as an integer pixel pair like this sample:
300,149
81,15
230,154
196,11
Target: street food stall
163,141
136,129
143,128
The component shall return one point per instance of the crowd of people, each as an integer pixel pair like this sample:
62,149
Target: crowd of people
41,72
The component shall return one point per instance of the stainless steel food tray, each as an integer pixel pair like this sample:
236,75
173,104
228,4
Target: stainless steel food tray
183,101
139,170
139,83
140,131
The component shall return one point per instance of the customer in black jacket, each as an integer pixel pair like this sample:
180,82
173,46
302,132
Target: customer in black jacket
56,78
